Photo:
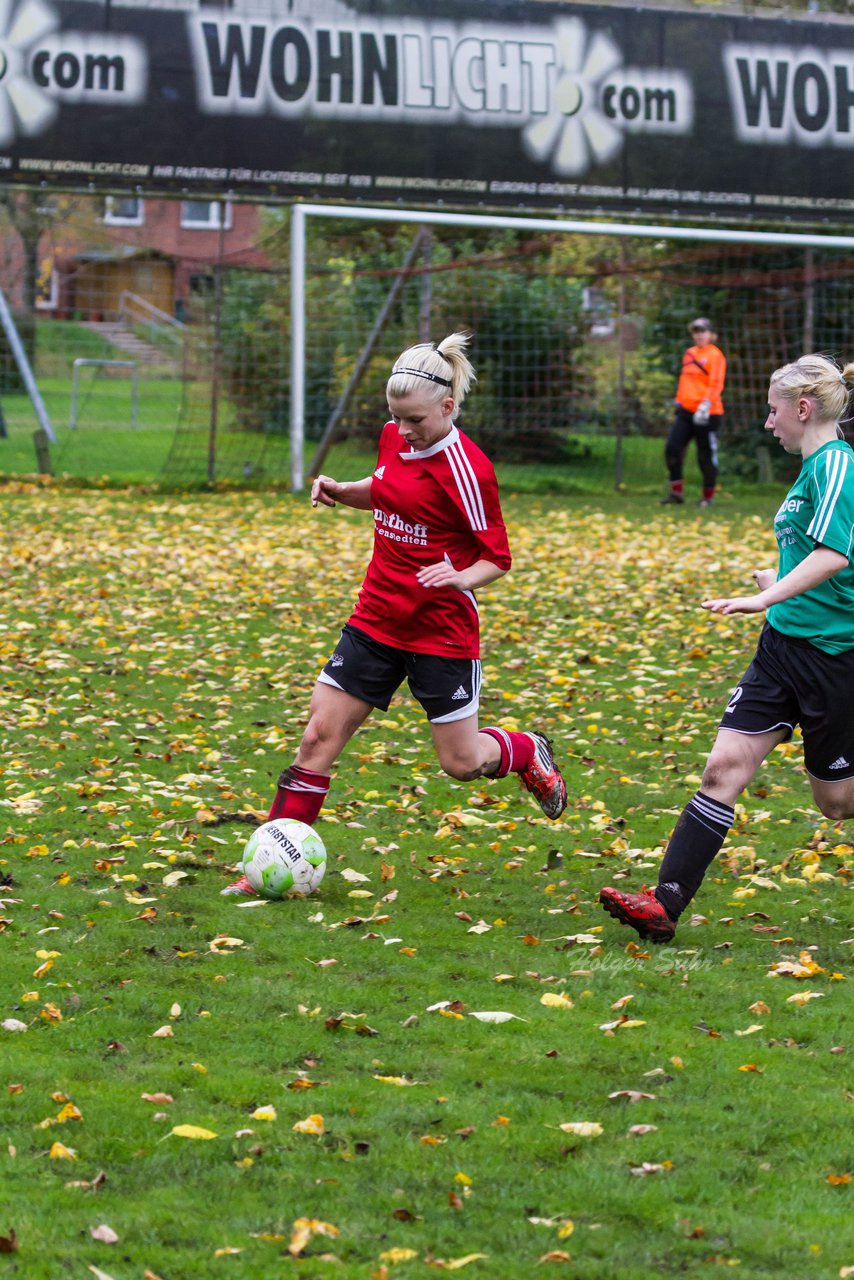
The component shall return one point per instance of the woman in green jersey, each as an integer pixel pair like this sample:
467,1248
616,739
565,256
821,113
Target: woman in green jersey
803,669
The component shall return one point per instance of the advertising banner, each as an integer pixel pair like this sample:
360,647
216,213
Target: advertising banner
534,105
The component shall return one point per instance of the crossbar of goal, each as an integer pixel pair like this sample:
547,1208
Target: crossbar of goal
422,217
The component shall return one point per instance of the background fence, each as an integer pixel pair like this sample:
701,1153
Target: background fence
577,345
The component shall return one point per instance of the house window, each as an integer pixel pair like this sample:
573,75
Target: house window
124,211
202,284
204,215
47,287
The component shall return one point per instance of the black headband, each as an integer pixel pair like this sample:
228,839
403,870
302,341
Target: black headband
420,373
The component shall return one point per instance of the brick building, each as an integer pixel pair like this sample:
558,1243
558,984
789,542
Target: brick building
94,252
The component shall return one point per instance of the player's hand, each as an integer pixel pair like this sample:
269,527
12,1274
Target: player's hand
763,578
441,574
735,604
324,490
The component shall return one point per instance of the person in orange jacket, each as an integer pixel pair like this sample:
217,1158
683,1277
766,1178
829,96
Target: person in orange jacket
699,412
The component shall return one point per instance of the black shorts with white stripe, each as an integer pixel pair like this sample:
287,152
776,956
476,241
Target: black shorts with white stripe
791,682
447,688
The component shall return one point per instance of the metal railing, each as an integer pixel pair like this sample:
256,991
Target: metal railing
134,309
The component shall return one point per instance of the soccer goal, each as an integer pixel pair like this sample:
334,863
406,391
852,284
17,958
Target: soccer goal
578,325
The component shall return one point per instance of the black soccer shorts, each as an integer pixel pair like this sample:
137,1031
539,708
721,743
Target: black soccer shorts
447,688
791,682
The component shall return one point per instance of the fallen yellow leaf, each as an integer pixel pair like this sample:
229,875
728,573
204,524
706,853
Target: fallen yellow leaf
304,1229
556,1000
583,1128
312,1124
802,997
59,1151
191,1131
222,944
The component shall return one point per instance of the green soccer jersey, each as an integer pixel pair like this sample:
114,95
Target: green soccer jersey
819,511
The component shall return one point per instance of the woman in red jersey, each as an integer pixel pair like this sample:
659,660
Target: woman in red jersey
699,412
438,537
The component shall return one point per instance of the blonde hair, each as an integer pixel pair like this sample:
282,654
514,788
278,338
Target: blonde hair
434,371
821,379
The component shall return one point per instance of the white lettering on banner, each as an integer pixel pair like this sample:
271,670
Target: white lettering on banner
92,167
564,87
379,70
786,94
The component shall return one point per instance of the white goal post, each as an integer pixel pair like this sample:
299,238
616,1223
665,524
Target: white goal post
421,217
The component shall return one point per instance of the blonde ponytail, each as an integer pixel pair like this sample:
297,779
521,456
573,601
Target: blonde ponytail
434,371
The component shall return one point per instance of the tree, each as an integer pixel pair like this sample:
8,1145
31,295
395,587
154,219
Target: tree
22,210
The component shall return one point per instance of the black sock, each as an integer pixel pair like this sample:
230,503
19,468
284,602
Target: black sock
696,842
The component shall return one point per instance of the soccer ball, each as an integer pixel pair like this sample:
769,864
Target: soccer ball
284,856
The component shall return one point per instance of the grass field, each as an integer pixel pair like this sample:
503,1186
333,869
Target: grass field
201,1088
172,452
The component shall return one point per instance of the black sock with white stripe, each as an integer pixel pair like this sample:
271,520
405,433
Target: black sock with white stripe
696,841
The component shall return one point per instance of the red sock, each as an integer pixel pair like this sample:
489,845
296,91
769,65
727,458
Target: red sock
677,487
517,751
300,794
708,494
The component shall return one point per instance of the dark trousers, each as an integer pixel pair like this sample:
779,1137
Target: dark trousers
683,431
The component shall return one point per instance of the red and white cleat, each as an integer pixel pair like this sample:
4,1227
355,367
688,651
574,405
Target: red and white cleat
641,910
240,888
544,779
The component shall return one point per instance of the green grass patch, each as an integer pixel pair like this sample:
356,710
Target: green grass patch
158,654
173,444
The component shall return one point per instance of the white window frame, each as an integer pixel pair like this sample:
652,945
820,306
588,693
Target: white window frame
51,302
212,222
112,219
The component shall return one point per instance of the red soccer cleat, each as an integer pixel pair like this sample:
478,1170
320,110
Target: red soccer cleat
642,911
241,887
544,779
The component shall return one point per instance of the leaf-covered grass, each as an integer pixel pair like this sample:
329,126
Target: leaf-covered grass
157,659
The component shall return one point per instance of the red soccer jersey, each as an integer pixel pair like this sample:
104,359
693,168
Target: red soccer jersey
429,504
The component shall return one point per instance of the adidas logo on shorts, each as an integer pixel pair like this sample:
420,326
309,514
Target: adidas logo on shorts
461,694
841,763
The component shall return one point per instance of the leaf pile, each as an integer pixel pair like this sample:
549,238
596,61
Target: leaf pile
449,1058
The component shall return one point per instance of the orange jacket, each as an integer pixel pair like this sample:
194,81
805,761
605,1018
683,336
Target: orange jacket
702,378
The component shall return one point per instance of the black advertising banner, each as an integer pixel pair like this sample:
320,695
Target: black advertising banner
535,105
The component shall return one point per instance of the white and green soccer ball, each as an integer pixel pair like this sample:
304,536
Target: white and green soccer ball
284,856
